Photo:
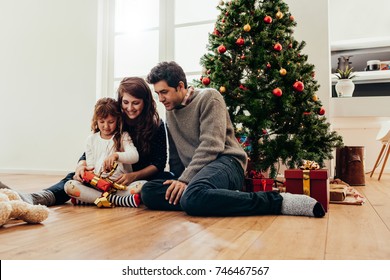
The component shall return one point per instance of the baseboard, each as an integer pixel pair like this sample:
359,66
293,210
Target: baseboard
30,171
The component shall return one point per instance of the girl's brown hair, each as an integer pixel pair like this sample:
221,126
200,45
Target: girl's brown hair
148,121
104,107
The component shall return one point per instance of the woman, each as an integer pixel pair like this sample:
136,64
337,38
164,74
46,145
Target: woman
142,122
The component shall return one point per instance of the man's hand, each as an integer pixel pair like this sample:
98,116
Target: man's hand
174,191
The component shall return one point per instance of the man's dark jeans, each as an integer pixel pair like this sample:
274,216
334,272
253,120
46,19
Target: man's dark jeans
215,191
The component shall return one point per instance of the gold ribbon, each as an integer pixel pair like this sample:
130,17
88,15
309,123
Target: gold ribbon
103,201
306,182
95,180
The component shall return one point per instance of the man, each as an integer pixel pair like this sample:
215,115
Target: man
203,142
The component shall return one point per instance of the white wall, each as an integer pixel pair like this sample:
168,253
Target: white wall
312,27
357,19
48,73
47,83
360,21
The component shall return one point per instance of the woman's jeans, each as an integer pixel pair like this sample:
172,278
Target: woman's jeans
214,191
59,191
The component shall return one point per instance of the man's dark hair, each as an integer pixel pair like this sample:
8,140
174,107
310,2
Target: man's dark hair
171,72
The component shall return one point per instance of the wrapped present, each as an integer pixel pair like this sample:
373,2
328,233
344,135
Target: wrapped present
96,181
314,183
338,192
102,183
258,185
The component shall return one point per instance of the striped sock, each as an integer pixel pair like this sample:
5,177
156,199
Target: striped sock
79,202
133,200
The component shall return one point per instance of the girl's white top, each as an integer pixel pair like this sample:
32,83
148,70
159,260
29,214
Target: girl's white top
98,149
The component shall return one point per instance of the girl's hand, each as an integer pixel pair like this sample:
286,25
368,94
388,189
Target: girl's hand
127,179
109,162
80,172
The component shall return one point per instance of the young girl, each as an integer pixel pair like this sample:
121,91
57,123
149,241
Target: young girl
104,147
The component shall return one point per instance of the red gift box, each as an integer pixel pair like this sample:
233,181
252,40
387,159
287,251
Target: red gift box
258,185
314,183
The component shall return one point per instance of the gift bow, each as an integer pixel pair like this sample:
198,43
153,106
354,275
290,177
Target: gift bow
309,165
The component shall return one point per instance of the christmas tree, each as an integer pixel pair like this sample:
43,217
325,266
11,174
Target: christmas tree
269,88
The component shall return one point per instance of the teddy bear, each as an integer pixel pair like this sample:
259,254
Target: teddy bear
13,207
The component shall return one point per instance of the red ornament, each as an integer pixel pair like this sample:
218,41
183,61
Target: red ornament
290,45
267,19
298,86
206,81
242,87
277,92
322,111
243,57
306,113
265,132
240,41
269,65
221,49
292,18
208,72
278,47
216,32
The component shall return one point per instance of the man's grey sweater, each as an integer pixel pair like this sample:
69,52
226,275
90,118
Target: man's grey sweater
202,131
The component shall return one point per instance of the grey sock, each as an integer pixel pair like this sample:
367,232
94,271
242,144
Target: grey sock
43,197
301,205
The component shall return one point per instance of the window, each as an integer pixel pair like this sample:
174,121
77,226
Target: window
136,37
137,34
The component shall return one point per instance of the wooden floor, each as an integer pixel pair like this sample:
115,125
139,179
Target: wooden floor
91,233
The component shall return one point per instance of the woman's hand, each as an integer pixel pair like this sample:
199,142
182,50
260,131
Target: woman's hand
174,191
81,168
127,179
109,162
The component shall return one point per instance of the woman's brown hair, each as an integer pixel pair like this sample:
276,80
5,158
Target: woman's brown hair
148,121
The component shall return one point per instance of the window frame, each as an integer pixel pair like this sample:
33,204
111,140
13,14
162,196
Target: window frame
106,39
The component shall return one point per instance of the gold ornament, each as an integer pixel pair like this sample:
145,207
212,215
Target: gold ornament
283,71
222,89
279,15
315,98
247,27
